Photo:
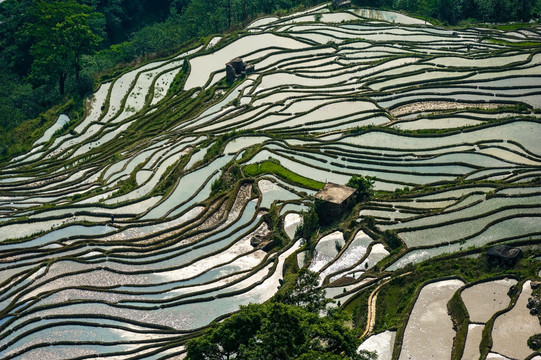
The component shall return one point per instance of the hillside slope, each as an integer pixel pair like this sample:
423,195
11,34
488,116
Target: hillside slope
127,234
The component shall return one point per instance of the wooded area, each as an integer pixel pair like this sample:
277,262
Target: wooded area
455,11
55,50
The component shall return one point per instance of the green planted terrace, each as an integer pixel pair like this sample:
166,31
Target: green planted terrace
270,167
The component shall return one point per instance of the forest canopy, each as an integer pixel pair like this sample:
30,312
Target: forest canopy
455,11
55,50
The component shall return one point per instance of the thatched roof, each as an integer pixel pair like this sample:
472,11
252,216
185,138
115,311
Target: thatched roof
335,193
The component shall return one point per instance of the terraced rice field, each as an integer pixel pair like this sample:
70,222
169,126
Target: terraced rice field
115,243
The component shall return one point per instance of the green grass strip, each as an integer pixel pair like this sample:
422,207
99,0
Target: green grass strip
269,167
515,44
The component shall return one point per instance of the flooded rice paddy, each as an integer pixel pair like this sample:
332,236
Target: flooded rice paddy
116,237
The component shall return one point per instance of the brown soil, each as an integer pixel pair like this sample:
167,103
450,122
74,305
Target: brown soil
439,106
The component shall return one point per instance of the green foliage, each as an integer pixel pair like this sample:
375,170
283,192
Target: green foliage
249,153
60,34
310,224
48,46
303,290
126,186
272,167
216,185
130,183
213,151
391,239
395,297
400,191
227,180
460,317
357,309
455,11
364,186
20,139
277,331
370,222
272,218
229,337
519,44
534,342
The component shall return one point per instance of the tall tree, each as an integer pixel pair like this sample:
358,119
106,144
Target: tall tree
61,34
304,292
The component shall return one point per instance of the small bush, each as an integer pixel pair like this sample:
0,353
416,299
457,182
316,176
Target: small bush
534,342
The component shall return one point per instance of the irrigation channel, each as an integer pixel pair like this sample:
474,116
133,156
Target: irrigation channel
114,244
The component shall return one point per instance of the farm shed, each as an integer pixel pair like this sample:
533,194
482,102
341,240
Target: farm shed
337,199
237,68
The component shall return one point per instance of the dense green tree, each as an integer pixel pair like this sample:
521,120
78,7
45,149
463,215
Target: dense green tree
61,35
228,339
364,186
277,331
450,10
454,11
15,49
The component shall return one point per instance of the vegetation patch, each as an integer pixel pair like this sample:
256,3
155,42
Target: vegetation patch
271,167
395,297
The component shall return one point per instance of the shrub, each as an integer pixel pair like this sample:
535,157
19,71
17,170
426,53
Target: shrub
391,239
364,186
534,342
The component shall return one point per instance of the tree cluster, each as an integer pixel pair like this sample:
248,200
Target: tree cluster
289,327
56,49
455,11
310,224
391,239
277,331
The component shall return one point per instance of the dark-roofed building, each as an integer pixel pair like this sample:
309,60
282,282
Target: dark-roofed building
503,255
336,200
237,68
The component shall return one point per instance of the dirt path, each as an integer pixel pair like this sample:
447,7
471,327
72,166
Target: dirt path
371,317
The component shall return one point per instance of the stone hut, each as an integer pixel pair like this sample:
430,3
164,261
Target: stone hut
237,68
340,3
336,200
503,255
